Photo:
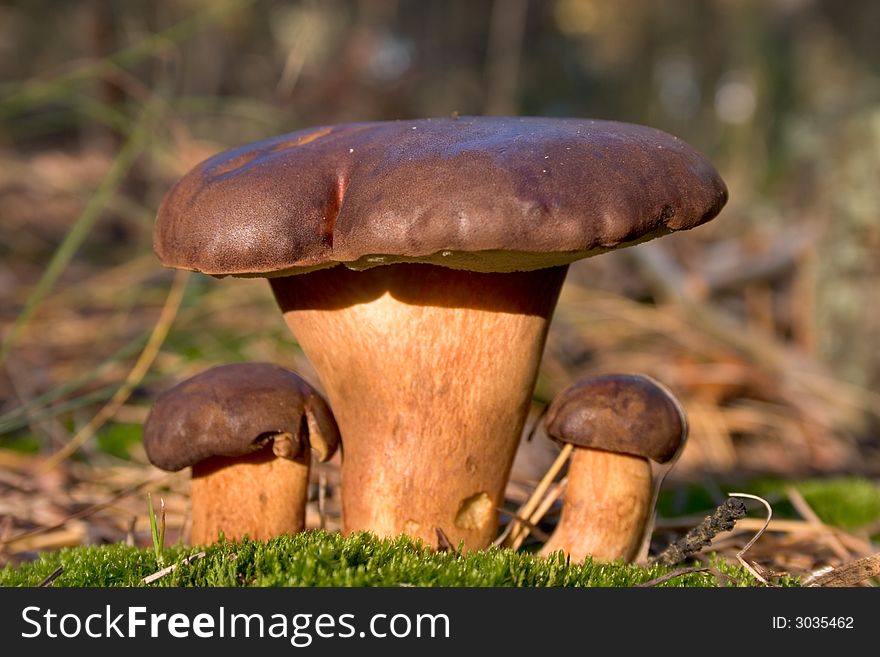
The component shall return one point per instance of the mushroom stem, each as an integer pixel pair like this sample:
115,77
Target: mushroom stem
258,494
608,502
430,373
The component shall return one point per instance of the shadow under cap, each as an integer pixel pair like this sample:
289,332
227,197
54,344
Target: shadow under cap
526,293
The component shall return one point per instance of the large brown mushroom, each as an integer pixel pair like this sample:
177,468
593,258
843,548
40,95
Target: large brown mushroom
245,429
454,237
617,425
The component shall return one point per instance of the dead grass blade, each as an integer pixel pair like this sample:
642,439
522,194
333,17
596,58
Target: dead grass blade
515,533
81,228
70,535
806,511
553,494
91,510
141,366
739,555
55,574
533,530
39,91
668,576
149,579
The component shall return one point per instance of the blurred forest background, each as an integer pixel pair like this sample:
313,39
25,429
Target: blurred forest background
766,321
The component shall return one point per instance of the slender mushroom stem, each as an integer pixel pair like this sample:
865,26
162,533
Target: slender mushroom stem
257,494
606,510
430,372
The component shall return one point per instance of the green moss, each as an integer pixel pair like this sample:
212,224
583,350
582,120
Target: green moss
322,559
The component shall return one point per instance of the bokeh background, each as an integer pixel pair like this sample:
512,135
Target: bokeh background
766,321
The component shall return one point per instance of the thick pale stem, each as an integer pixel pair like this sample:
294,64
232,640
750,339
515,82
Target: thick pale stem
429,372
608,502
260,495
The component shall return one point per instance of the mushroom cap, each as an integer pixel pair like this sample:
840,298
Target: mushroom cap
232,410
622,413
477,193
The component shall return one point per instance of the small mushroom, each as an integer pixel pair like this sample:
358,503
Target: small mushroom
616,425
418,264
245,429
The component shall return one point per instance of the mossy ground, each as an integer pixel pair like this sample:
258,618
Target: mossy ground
317,558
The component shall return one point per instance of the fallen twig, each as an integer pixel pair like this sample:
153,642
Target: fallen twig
723,519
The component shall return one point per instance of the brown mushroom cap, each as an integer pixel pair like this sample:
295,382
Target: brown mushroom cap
622,413
236,409
477,193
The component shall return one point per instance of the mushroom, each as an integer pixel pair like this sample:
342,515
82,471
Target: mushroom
454,237
245,429
616,425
